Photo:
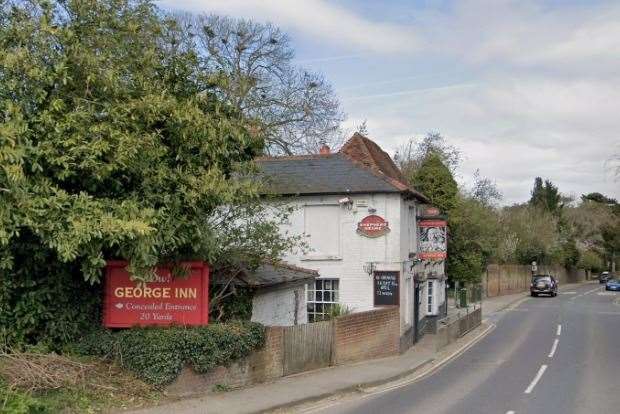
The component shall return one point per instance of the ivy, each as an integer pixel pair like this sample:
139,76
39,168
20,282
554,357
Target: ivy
157,355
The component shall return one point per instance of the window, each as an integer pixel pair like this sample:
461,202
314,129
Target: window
322,295
429,302
322,225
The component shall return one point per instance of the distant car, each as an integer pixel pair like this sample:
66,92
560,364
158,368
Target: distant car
613,284
604,277
544,285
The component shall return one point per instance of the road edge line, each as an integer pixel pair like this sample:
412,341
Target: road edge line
360,388
444,361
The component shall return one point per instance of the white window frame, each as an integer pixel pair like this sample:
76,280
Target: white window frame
315,297
430,298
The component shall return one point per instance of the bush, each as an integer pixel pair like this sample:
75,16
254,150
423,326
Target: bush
42,300
157,355
18,402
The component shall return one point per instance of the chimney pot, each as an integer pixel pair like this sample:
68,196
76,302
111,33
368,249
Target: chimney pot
324,149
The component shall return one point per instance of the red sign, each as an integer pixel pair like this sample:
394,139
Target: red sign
432,223
373,226
432,239
165,301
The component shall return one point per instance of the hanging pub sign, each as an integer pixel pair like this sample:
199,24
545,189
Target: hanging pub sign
373,226
182,300
432,239
431,211
386,288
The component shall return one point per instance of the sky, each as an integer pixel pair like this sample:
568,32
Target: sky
523,88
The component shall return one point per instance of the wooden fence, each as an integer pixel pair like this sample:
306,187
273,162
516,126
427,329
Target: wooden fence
307,347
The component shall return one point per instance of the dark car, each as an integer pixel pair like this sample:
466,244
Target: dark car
604,277
544,285
613,284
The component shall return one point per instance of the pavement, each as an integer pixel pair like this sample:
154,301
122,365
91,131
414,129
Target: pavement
545,355
308,390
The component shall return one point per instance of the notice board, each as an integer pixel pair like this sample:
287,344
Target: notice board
386,288
182,300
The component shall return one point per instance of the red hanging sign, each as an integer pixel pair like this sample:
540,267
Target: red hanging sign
165,301
432,239
373,226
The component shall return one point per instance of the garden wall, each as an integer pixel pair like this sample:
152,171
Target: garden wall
356,337
366,335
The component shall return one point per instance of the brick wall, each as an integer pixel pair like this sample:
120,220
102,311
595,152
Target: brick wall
262,365
356,337
366,335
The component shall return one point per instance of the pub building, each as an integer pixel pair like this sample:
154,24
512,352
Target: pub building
362,223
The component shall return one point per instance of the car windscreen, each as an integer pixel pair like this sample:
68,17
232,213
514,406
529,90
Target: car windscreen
617,281
537,279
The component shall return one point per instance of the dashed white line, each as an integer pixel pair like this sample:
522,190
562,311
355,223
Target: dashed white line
585,293
510,412
540,373
559,331
554,347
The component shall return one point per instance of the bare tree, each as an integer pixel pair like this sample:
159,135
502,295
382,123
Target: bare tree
297,110
484,190
411,155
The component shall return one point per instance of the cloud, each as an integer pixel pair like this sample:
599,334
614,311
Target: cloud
529,33
523,87
321,19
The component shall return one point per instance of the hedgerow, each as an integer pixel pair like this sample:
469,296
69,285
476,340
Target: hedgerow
157,355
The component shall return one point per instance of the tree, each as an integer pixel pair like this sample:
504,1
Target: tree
485,190
114,143
546,197
410,156
528,233
434,179
473,238
251,68
598,198
592,261
538,196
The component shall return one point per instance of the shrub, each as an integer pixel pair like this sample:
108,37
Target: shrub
42,300
337,310
157,355
18,402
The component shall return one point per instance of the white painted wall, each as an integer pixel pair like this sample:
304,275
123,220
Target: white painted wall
277,307
340,252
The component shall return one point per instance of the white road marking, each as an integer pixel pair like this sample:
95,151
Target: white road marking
530,387
568,293
587,293
606,294
554,347
559,331
510,412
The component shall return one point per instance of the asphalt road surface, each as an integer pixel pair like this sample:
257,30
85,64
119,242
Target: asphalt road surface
547,355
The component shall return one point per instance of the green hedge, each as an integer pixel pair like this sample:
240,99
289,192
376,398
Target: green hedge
157,355
43,301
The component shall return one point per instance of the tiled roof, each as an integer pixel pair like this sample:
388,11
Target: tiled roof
361,166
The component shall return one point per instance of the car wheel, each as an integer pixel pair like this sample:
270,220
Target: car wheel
534,295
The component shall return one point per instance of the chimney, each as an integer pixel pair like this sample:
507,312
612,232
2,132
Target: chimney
324,149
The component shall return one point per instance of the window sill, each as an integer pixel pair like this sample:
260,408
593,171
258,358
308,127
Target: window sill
322,257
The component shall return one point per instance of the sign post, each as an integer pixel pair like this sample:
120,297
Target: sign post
165,301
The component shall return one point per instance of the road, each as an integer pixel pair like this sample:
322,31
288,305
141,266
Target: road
547,355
